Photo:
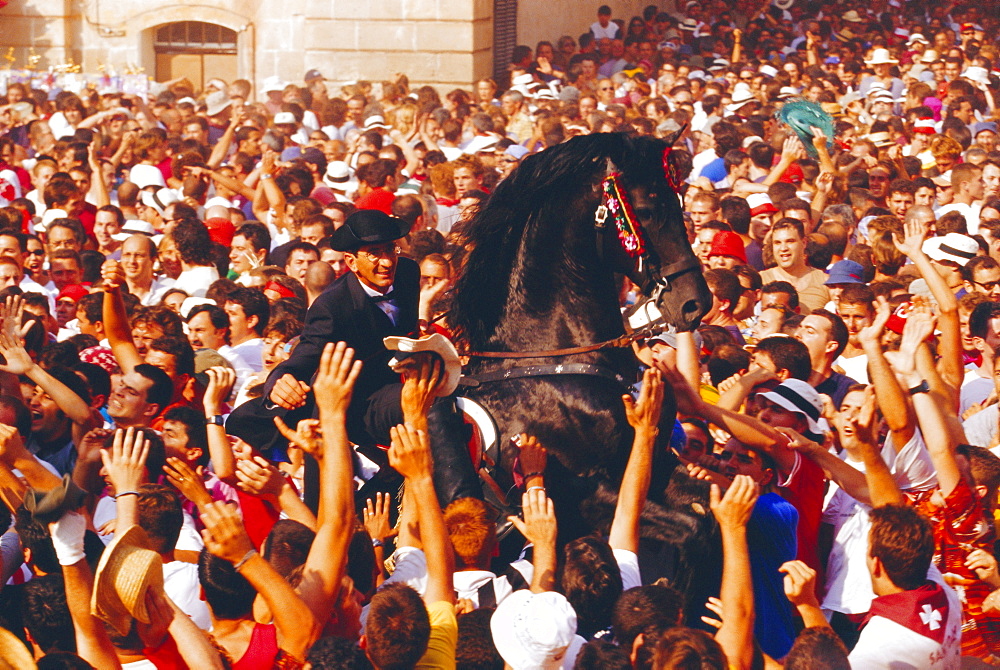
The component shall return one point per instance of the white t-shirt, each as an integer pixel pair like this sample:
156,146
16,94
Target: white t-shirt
849,586
855,367
970,212
610,31
195,282
180,582
981,427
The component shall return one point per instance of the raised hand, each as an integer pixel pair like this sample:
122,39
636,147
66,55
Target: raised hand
410,452
224,533
112,276
533,457
733,509
376,515
125,461
800,583
872,334
221,380
334,384
308,436
912,242
645,413
539,525
422,377
188,481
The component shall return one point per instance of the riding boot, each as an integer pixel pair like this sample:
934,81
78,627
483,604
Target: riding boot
454,473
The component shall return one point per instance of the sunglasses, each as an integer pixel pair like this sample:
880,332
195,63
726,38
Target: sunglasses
37,252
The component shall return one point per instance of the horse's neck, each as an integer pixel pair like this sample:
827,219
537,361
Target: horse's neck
577,312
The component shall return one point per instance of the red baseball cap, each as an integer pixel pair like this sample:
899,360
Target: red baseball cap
74,292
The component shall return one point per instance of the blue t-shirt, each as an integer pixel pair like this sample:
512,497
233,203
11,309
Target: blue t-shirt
771,539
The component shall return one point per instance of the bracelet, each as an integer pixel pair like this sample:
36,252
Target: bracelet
246,557
534,474
377,542
535,488
126,493
266,176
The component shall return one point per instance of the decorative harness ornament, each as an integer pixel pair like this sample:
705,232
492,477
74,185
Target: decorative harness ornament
617,205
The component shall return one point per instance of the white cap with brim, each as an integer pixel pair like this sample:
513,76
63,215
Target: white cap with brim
536,631
799,397
51,215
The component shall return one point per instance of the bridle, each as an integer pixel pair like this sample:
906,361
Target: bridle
615,204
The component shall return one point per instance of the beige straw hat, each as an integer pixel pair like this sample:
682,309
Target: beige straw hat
128,568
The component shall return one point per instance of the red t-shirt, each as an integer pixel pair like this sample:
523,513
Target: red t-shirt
803,488
377,198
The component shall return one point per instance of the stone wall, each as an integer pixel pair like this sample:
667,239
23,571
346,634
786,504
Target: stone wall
444,43
548,20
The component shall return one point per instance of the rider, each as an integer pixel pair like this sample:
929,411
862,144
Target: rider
377,299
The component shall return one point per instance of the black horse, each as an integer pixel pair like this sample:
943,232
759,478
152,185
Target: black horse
541,277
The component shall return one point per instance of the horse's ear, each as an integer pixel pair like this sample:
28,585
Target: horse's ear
672,140
674,173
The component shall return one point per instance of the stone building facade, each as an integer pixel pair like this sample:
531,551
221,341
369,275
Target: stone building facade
444,43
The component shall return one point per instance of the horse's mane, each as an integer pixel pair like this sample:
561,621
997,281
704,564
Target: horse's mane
545,189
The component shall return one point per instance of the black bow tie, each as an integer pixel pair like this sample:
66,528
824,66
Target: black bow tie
391,295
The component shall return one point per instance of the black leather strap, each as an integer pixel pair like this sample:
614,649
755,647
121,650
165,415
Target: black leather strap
545,371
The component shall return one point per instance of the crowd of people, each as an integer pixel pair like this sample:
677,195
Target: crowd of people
195,289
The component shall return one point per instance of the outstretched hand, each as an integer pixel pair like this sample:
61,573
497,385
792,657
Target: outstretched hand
912,242
423,374
410,452
125,461
334,383
733,509
539,524
645,413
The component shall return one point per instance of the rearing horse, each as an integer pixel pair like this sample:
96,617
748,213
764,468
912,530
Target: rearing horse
541,279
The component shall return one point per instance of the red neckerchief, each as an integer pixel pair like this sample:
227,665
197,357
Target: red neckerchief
446,202
923,610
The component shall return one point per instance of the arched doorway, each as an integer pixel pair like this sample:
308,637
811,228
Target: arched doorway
196,50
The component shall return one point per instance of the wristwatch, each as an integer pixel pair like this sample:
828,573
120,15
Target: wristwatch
215,420
922,387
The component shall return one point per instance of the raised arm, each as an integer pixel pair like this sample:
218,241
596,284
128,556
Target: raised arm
733,511
220,386
950,352
800,589
644,417
125,463
226,538
92,642
891,399
115,317
410,455
327,559
933,422
221,148
747,429
540,529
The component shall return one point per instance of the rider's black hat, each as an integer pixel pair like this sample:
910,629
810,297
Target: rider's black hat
368,226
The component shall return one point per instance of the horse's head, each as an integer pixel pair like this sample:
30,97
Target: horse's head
657,256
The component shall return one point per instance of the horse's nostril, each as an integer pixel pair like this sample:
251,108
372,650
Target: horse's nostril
690,308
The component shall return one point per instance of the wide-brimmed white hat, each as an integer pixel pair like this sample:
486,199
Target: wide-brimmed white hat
216,102
481,143
536,631
799,397
954,247
436,344
980,75
881,57
376,121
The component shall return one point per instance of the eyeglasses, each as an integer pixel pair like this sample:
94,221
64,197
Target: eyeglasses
37,252
375,253
987,285
606,88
